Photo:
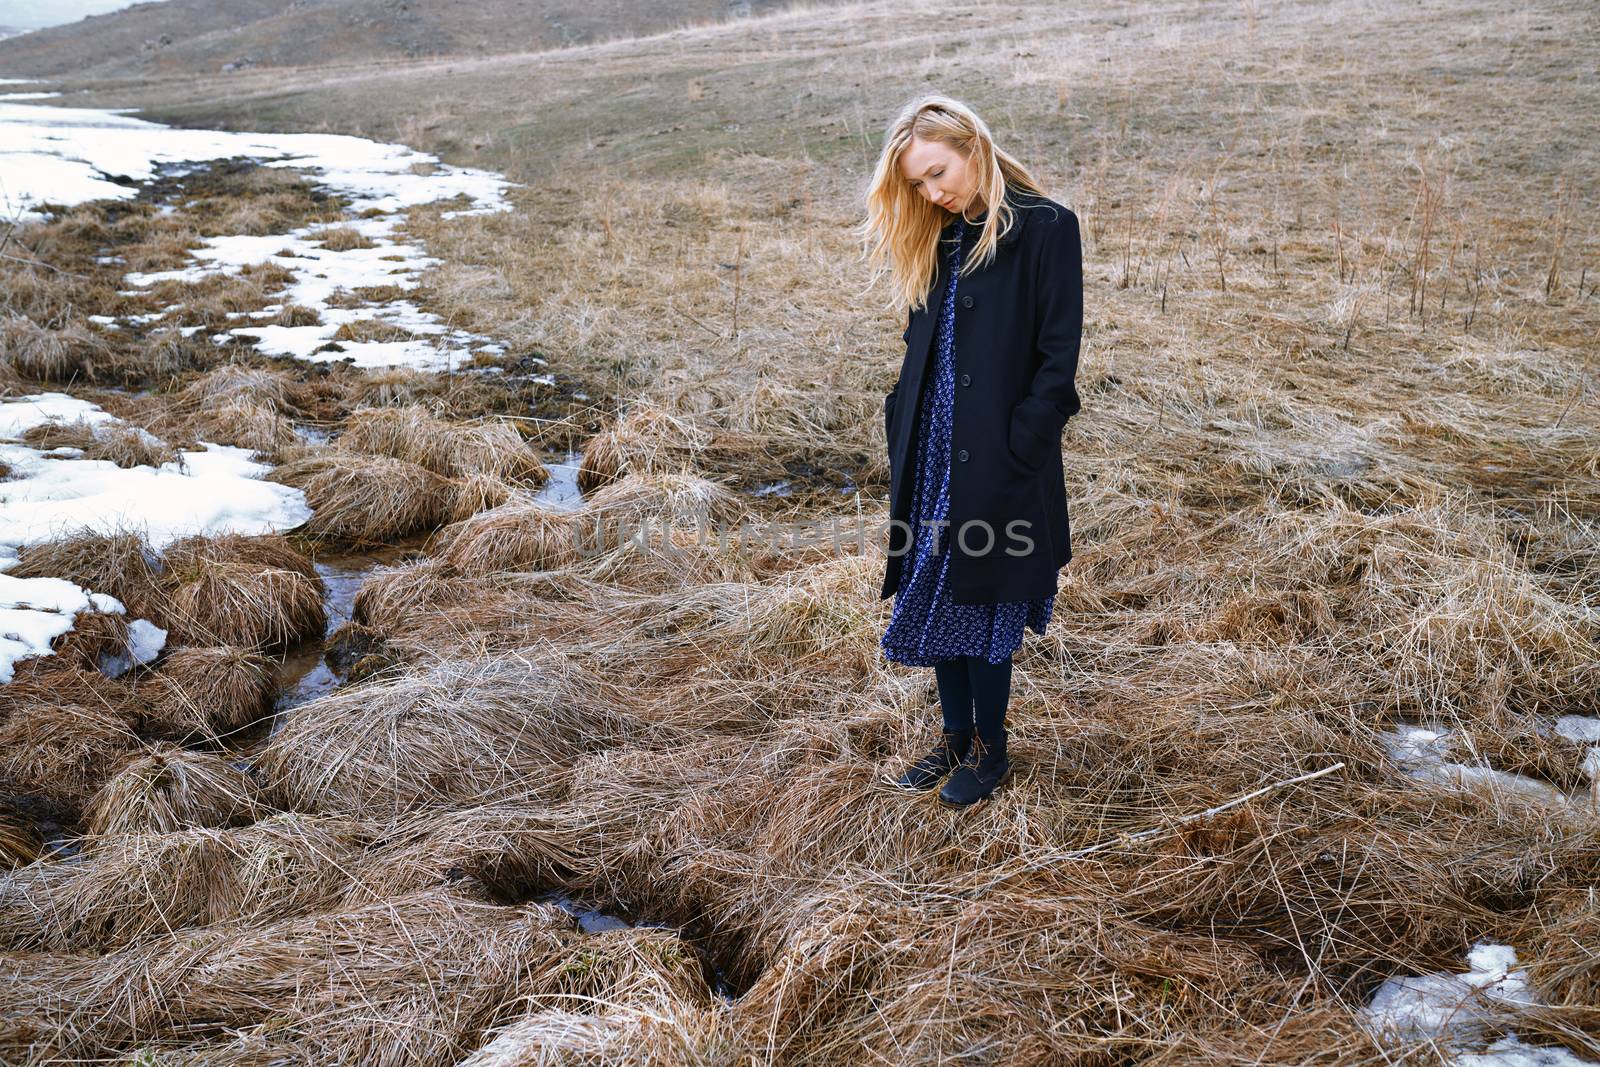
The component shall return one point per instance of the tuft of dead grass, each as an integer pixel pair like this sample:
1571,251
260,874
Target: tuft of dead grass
367,500
361,330
62,352
648,439
516,535
455,730
454,450
139,887
333,985
121,443
20,841
118,563
296,315
63,752
211,693
166,788
344,239
253,592
242,405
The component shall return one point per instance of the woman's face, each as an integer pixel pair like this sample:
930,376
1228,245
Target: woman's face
937,172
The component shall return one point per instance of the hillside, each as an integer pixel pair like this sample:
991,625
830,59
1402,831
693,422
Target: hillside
205,36
1306,763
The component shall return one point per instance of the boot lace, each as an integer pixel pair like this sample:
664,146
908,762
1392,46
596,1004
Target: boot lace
943,747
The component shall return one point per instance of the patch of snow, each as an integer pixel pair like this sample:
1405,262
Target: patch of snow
1424,753
20,414
1509,1051
1452,1010
218,490
145,642
1579,728
65,155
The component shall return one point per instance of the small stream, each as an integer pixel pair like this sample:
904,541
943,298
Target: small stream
305,673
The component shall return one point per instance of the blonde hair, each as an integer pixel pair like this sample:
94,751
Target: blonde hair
901,230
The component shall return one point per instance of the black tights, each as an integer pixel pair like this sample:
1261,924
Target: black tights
973,691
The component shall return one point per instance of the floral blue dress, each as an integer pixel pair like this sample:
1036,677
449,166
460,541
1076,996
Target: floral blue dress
925,626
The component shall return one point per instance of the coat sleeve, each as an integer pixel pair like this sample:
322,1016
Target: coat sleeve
1053,396
888,400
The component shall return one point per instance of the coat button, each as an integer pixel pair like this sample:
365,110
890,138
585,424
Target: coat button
962,455
966,301
966,379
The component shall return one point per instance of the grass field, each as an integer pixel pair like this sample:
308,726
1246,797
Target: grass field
1318,707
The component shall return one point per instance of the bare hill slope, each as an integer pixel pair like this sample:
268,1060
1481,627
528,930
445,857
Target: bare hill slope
202,36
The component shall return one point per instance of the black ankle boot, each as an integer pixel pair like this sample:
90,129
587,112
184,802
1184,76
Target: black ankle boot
981,771
945,757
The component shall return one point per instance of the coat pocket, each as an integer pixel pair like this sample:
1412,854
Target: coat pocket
1027,446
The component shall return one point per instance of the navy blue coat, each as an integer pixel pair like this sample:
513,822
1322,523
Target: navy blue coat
1017,333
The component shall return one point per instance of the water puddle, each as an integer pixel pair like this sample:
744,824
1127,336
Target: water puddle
305,673
562,491
594,920
809,479
310,669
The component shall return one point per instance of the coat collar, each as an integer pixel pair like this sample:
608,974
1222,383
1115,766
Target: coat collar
1019,215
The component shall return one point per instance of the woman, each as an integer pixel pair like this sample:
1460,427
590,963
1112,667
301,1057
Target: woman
990,272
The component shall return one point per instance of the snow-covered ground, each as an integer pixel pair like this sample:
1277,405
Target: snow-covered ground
1452,1010
319,273
1426,753
50,494
64,155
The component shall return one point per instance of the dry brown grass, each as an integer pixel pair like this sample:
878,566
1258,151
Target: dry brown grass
296,315
254,592
240,404
118,564
70,351
141,887
648,439
413,433
20,843
477,492
457,730
366,500
166,788
211,692
516,535
1334,470
372,330
215,300
162,357
344,239
63,752
94,634
118,442
336,984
